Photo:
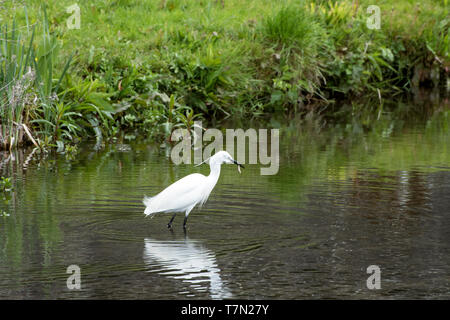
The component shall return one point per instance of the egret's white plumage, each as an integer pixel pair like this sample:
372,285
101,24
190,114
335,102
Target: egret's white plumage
179,196
186,193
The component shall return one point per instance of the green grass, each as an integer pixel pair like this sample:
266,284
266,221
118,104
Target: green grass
247,59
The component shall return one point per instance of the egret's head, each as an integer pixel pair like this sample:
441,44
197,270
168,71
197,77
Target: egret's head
223,157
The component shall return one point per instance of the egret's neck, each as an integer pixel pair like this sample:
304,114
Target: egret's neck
215,172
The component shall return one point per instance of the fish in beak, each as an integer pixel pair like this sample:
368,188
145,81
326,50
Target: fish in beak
239,165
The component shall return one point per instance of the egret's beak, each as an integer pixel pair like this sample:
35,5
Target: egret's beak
238,164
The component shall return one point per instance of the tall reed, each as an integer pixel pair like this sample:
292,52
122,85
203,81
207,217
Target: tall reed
16,84
27,86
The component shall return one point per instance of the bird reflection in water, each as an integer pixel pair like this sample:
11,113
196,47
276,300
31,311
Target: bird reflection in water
189,261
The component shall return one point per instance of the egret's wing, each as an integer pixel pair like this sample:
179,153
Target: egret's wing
178,196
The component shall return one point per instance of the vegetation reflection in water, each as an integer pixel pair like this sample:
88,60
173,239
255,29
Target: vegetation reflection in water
344,198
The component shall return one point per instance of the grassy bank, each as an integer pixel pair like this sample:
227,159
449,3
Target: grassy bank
145,67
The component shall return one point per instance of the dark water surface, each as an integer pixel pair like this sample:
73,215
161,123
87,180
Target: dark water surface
344,198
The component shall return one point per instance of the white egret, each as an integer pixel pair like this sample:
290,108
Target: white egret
186,193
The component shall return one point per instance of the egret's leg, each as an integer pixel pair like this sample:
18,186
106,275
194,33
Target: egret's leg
169,225
186,216
184,222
